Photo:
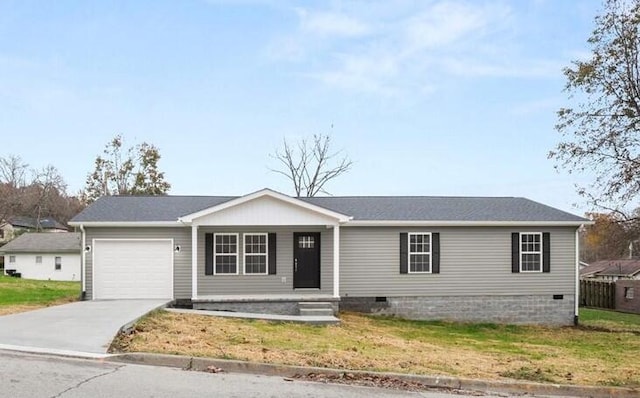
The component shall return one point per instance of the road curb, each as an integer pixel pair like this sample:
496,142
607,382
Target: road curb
128,327
453,383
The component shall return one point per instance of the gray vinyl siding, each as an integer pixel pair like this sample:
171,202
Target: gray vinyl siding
181,261
473,261
265,284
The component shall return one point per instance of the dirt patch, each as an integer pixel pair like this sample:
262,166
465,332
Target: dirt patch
369,380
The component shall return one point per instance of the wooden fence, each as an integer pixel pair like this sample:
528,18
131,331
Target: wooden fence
600,294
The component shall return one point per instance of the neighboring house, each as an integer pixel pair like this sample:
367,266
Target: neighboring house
612,270
44,256
16,225
460,258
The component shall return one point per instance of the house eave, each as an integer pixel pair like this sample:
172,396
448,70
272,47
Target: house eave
30,251
140,224
463,223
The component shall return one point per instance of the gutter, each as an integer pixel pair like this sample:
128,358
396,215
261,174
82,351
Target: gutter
83,255
576,297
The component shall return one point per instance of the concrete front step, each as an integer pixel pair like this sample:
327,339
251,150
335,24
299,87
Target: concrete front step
316,308
315,304
316,311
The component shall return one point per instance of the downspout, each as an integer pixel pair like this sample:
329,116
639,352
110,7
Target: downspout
83,256
576,297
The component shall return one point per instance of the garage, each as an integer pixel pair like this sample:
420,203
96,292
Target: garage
133,269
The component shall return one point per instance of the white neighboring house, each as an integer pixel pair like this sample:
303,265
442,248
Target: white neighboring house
44,256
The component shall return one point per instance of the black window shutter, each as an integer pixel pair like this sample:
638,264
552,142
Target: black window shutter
515,252
208,254
272,254
435,252
404,255
546,252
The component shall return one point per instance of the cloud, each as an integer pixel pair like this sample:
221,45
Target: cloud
447,22
330,24
375,48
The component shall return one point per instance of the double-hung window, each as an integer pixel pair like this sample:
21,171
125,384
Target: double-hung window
255,253
58,263
225,254
531,252
38,259
420,253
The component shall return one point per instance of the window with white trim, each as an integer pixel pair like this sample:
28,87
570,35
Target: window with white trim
531,252
255,253
12,259
628,293
225,254
38,259
58,263
420,253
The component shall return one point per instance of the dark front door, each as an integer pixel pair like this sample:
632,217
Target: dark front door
306,260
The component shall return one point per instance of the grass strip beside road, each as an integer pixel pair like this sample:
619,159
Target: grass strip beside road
19,295
583,355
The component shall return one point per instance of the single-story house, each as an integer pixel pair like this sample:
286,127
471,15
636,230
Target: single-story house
44,256
612,270
487,259
15,225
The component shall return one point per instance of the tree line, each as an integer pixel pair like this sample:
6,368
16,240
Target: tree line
123,169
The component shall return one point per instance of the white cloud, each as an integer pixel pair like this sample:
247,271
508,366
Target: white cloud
447,22
330,24
372,48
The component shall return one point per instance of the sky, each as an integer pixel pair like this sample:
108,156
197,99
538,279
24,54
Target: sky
444,97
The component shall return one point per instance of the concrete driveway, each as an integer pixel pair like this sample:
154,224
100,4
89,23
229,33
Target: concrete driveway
81,327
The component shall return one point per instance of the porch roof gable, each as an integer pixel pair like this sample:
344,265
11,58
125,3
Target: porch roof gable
275,198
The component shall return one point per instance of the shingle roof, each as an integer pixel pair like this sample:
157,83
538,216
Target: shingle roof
44,242
442,208
361,208
31,223
623,267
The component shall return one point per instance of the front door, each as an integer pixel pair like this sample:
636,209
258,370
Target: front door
306,260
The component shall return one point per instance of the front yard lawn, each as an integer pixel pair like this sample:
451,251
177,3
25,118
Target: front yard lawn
17,294
596,354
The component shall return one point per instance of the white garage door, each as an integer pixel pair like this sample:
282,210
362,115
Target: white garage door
133,269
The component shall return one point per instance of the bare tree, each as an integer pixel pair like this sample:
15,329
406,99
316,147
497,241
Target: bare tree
13,171
311,165
12,185
49,186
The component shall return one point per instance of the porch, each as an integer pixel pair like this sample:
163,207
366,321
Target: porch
266,253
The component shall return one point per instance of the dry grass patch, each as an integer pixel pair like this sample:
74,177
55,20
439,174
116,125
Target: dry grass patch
559,355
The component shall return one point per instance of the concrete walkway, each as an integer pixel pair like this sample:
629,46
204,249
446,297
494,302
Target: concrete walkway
311,319
83,328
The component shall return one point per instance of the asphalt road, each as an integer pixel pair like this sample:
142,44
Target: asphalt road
26,376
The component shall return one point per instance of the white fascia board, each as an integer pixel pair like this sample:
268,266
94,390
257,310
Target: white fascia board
408,223
265,192
127,224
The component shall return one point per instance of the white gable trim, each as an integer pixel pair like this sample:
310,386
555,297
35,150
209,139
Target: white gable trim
341,218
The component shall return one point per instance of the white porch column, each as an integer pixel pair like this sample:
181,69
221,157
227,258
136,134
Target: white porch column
194,261
336,260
